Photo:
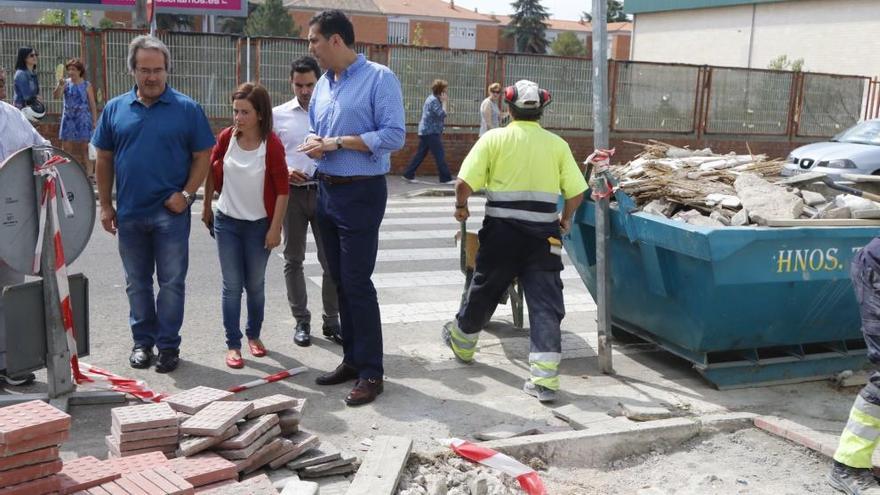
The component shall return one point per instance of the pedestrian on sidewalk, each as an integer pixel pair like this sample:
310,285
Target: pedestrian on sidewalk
357,121
292,126
490,114
249,172
16,133
431,133
154,144
852,469
27,84
79,113
524,170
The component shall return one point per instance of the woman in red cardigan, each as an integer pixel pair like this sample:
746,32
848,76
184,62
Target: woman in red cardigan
249,172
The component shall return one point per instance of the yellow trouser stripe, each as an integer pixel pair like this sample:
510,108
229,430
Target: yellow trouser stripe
859,438
551,383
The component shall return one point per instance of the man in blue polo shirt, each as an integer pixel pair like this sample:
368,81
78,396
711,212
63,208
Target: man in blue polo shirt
156,143
357,120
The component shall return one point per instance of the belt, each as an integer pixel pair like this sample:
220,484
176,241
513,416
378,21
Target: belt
343,179
306,187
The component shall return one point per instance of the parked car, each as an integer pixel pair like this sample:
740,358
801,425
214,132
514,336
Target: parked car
853,151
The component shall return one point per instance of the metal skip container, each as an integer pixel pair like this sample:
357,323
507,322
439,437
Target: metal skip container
746,305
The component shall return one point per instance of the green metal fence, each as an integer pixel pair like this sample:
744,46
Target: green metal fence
644,97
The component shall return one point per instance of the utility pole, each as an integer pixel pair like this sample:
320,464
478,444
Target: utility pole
601,142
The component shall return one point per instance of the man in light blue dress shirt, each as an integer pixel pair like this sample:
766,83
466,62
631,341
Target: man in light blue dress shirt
357,120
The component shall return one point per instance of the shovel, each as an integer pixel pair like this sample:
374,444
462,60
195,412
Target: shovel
828,181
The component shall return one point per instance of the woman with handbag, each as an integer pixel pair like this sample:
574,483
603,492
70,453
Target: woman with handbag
249,172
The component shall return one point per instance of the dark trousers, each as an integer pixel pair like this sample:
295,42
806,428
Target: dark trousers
349,216
434,144
866,284
506,253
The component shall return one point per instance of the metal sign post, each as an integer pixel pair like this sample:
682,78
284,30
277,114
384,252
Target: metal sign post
21,214
600,142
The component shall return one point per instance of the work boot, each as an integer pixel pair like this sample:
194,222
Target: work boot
853,481
301,335
17,380
464,355
543,394
332,330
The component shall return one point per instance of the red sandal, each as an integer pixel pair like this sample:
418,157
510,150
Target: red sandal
234,362
257,348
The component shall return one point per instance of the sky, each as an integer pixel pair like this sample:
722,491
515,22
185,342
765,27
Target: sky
559,9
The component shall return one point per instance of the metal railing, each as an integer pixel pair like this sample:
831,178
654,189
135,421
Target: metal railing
644,97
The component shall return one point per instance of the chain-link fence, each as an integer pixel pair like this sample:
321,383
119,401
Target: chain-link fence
645,97
829,104
655,97
743,101
464,70
569,80
55,45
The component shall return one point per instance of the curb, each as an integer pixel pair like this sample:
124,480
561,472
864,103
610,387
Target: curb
820,442
617,438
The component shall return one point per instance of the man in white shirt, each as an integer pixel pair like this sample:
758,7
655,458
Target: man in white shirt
15,133
291,124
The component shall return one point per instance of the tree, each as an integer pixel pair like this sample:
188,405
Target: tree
55,17
782,62
528,27
175,22
614,13
271,19
567,44
419,35
235,25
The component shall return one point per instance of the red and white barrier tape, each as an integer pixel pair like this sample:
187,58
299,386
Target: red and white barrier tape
601,160
85,374
527,477
269,379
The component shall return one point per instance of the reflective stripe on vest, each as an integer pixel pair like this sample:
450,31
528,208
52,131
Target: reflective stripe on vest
531,206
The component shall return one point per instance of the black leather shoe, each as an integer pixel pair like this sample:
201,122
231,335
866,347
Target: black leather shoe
168,360
364,391
333,331
141,357
301,335
341,374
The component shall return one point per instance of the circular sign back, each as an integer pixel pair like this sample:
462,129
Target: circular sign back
19,213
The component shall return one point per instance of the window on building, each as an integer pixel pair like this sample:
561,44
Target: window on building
398,31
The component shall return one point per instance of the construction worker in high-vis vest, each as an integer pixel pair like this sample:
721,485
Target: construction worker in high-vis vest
852,471
524,170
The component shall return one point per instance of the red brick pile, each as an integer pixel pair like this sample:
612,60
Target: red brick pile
30,434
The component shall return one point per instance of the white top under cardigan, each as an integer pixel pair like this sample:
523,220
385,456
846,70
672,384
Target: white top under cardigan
244,177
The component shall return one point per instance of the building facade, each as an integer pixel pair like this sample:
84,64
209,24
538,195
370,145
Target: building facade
833,36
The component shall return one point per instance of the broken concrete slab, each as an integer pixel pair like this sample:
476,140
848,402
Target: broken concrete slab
766,201
380,471
300,487
579,416
641,412
866,213
502,431
813,198
740,219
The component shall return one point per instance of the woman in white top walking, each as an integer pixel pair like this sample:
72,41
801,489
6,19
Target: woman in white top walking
249,171
490,114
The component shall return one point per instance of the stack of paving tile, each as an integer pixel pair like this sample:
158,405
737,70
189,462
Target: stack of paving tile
205,469
159,480
323,460
255,485
211,425
30,434
141,429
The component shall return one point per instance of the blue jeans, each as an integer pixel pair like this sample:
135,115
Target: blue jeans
349,216
434,143
241,245
157,242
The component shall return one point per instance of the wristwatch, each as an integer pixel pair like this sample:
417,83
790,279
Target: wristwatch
190,198
339,142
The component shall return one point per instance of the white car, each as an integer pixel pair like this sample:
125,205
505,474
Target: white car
853,151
